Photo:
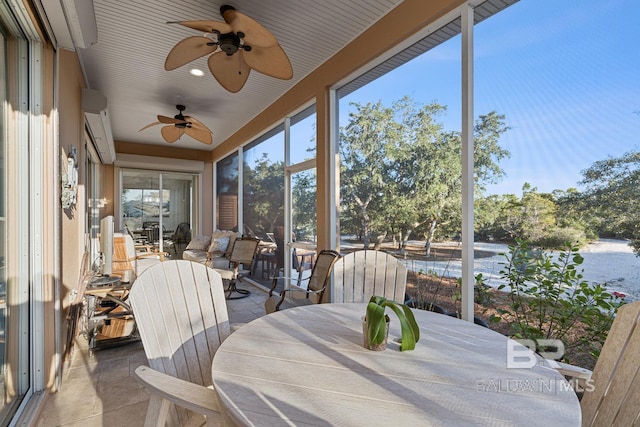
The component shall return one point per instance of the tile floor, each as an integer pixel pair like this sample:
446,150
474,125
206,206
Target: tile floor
99,387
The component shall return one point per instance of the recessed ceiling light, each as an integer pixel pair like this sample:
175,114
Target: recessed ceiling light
196,72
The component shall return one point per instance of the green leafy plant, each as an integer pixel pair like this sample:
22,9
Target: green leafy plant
376,322
550,299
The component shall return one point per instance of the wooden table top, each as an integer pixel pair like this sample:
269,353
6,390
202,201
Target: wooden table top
308,366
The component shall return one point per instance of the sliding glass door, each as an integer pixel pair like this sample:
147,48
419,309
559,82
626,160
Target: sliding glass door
21,230
153,204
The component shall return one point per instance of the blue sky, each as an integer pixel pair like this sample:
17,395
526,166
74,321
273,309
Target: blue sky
565,74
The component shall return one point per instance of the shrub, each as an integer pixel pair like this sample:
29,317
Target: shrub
557,236
550,300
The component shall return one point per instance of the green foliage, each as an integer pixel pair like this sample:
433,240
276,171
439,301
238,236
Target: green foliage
550,300
538,213
612,196
544,219
400,169
555,237
608,206
263,187
303,197
376,322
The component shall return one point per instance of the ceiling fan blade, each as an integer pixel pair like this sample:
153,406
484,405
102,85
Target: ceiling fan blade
271,61
169,120
171,133
230,71
188,50
196,124
149,125
254,33
206,26
200,135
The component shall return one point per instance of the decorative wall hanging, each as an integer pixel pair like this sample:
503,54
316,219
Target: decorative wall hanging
70,179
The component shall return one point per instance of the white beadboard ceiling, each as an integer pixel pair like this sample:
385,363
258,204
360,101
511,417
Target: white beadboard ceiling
127,63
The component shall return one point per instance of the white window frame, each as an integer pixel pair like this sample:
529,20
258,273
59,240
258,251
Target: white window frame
28,132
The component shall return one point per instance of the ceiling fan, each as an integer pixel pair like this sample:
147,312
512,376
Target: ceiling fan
237,46
179,125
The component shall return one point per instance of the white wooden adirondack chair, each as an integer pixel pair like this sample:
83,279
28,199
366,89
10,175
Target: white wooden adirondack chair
181,313
359,275
612,392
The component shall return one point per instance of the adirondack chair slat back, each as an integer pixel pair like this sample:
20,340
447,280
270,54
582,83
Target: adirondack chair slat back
359,275
181,313
613,397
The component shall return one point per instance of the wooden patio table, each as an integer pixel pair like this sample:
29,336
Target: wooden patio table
308,366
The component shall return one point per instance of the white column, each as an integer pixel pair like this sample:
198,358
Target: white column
467,163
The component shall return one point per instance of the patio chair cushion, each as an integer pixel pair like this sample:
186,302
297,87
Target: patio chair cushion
201,257
195,256
199,243
219,245
220,241
214,251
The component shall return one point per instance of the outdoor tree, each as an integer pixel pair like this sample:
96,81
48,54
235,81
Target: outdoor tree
495,216
304,212
263,187
363,170
612,192
549,220
401,170
538,215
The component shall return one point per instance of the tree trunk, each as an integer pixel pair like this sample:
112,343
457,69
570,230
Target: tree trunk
379,241
365,236
365,229
366,221
405,239
432,231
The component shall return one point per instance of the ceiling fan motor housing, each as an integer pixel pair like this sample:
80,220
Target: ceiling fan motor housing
179,116
229,43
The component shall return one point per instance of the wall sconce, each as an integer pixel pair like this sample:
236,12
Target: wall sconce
70,179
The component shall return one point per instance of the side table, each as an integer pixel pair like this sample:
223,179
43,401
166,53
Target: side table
109,317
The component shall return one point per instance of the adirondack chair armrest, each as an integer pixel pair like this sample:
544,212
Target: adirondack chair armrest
143,247
159,255
579,376
570,370
188,395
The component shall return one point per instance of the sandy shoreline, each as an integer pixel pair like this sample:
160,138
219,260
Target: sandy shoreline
605,261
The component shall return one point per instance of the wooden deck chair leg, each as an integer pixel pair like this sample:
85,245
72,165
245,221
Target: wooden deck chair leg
157,411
